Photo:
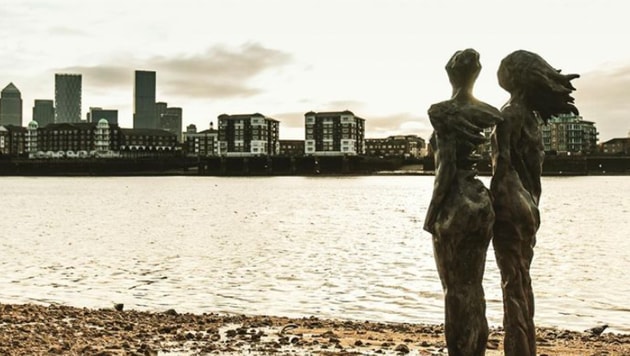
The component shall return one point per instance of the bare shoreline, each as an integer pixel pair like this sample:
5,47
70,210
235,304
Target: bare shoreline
65,330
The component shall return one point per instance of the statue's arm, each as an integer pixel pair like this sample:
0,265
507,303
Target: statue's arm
502,150
445,171
448,117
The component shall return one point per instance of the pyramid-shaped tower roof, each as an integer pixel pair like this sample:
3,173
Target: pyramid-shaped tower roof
10,89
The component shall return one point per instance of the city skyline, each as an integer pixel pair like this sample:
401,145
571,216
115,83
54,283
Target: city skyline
383,61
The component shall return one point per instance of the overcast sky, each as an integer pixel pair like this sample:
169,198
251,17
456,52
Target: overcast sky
383,60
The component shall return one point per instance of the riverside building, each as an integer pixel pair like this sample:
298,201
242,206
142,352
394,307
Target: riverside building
617,146
203,143
137,143
569,133
292,147
335,133
97,139
72,140
12,141
402,146
246,135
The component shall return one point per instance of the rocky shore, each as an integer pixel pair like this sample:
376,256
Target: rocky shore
63,330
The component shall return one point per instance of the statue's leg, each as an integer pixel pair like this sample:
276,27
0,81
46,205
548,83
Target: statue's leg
460,262
514,252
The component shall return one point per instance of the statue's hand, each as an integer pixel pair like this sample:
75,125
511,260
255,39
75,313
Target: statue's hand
483,115
467,122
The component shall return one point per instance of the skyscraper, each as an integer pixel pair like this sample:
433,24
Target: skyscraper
160,109
171,121
43,112
10,106
68,98
144,115
96,114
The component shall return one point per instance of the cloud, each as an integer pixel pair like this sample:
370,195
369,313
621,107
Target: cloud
375,126
602,96
341,105
65,31
290,119
102,77
296,119
397,124
219,72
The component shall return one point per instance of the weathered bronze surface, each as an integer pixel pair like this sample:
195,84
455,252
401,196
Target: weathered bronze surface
460,215
464,216
537,92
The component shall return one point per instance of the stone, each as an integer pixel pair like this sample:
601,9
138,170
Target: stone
598,330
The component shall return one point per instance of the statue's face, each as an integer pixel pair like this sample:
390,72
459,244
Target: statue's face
463,67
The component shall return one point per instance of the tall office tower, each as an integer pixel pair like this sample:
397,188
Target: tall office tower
10,106
96,114
144,114
68,98
43,112
160,109
171,121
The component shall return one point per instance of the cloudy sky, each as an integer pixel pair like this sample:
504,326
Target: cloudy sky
383,60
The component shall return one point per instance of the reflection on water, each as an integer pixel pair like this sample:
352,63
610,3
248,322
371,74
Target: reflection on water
296,246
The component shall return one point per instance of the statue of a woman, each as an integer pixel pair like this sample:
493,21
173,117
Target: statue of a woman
460,215
537,92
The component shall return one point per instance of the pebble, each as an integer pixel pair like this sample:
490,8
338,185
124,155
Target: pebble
55,329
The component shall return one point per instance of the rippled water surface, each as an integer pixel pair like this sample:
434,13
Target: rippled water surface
350,247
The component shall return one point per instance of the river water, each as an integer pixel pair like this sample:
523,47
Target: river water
338,247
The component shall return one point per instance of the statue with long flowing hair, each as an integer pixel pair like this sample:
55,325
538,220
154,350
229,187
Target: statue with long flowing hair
537,92
460,216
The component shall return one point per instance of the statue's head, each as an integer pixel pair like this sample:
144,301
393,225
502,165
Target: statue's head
544,88
463,68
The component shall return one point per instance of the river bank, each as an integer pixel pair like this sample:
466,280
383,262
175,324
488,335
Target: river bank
56,329
553,165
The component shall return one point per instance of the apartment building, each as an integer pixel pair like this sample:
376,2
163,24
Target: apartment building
405,146
203,143
72,139
12,141
246,135
569,133
617,146
291,147
335,133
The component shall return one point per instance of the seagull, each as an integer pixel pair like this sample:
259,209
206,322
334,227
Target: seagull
598,330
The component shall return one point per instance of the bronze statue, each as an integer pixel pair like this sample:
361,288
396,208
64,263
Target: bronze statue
460,216
537,92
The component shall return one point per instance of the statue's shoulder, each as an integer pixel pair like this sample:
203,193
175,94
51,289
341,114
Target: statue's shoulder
512,110
442,109
489,109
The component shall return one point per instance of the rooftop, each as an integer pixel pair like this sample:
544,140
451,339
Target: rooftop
10,89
